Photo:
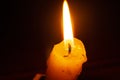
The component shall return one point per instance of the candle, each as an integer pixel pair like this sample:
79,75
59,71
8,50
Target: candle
66,59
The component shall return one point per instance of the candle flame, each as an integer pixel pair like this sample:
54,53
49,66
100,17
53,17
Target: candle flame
68,34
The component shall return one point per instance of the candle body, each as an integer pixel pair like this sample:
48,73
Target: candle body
62,67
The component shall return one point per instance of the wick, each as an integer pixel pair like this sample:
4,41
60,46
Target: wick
69,48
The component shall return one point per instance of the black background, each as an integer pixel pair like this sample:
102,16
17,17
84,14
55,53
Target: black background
30,28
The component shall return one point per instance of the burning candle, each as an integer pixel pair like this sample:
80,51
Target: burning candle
66,59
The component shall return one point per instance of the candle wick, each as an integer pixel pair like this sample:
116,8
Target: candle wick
69,48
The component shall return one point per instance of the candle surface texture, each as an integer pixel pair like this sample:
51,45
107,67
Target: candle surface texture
66,67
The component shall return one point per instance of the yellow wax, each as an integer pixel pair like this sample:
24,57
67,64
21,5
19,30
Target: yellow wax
62,67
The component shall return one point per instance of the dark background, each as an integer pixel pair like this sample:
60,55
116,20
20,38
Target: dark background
30,28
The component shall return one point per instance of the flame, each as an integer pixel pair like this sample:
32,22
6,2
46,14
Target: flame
68,34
